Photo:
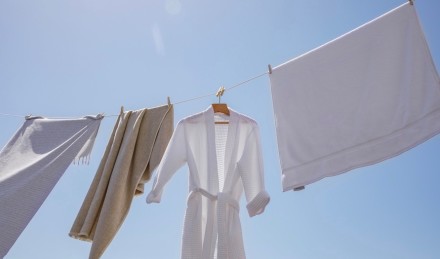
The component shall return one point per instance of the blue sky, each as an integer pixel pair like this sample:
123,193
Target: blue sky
73,58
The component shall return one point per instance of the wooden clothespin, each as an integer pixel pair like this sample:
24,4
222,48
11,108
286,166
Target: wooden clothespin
169,101
220,107
220,92
122,110
270,69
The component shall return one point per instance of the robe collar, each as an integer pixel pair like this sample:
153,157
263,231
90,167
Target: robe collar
229,152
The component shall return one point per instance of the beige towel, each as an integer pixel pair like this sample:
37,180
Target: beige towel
135,148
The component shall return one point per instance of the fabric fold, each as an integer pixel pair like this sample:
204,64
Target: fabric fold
257,205
135,148
364,97
31,164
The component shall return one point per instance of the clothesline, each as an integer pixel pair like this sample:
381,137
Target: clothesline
226,89
11,115
176,103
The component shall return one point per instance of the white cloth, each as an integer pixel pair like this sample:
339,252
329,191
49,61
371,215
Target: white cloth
366,96
212,220
31,164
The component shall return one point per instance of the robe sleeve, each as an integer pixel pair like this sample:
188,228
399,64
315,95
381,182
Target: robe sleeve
251,170
174,158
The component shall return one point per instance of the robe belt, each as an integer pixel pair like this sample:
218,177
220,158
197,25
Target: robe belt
223,200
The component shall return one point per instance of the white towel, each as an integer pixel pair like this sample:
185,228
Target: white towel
32,163
366,96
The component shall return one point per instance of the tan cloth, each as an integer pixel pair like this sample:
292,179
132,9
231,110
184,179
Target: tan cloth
135,148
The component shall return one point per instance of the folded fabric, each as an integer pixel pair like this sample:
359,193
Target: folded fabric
366,96
32,163
135,148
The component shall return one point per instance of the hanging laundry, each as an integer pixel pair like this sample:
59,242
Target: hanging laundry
135,148
212,224
31,164
364,97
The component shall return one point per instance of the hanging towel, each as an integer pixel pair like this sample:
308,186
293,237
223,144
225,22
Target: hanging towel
364,97
224,161
135,148
32,163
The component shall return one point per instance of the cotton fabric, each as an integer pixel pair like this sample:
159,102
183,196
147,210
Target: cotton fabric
31,164
366,96
212,224
134,150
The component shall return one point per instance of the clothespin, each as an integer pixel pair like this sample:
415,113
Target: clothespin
270,69
122,109
169,101
411,2
30,117
220,92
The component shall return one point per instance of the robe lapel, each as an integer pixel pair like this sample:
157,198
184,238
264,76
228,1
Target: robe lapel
210,234
212,155
230,150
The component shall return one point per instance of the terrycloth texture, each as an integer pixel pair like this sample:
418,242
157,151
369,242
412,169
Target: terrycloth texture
135,148
212,223
32,163
366,96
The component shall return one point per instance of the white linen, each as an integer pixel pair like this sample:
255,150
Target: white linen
212,220
31,164
366,96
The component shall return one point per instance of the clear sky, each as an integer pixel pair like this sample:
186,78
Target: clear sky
75,57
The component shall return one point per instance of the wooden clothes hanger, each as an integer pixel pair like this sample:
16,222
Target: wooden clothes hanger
221,107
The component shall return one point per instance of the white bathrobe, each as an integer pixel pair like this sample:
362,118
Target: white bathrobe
223,159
